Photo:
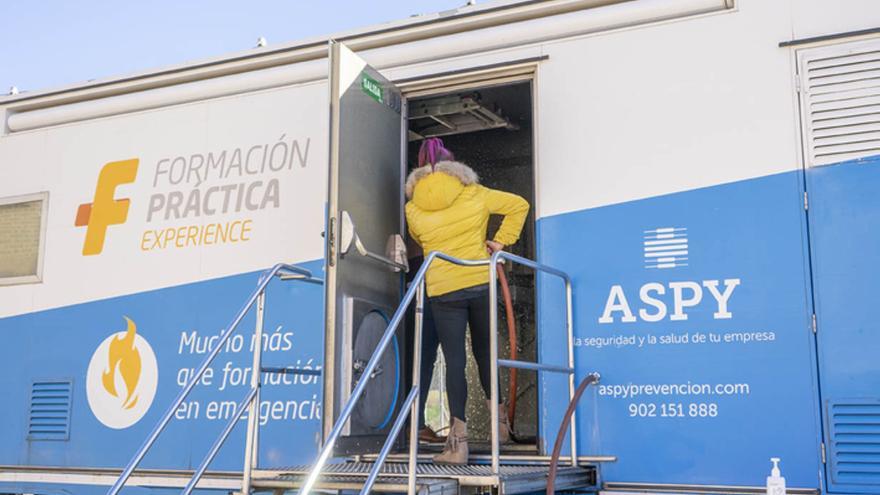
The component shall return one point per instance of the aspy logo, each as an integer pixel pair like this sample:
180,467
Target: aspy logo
122,378
105,210
666,247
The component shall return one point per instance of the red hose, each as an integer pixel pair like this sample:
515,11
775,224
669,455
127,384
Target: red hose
511,335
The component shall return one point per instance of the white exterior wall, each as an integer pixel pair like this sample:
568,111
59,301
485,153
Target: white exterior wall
666,108
620,115
65,160
812,18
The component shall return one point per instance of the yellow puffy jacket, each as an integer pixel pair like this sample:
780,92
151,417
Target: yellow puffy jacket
449,212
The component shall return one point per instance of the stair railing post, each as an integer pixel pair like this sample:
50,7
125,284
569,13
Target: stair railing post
493,360
230,425
253,422
414,418
569,327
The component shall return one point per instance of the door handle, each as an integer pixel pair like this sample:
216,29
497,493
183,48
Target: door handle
348,237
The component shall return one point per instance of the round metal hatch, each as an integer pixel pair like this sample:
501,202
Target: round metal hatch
375,408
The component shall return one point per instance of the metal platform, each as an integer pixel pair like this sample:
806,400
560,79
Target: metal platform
432,478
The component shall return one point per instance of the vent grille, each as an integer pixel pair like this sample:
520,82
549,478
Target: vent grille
855,441
840,102
49,417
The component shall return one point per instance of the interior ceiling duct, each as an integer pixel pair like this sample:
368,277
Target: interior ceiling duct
447,115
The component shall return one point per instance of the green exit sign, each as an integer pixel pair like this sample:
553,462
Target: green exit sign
371,87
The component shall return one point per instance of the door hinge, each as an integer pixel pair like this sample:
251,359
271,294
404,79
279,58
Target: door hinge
797,83
331,242
806,201
814,322
824,461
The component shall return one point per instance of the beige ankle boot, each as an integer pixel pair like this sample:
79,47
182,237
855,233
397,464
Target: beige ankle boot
504,429
456,449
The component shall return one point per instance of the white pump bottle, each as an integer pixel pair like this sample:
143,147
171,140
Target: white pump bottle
775,482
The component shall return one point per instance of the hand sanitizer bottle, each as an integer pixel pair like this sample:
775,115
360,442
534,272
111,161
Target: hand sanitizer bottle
775,482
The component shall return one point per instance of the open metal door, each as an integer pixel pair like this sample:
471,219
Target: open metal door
365,221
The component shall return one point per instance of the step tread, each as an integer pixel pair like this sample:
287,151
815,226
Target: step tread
432,478
385,484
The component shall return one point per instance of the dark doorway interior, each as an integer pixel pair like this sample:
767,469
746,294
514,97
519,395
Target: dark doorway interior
490,129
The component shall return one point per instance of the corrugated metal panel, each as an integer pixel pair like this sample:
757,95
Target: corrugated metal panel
49,417
840,101
854,430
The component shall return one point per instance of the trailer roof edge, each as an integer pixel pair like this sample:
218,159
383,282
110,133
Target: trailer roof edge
467,18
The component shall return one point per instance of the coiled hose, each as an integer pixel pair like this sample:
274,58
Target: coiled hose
563,427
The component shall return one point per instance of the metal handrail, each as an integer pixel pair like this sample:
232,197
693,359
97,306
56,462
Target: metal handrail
410,408
258,293
416,286
200,471
526,365
389,442
493,348
417,291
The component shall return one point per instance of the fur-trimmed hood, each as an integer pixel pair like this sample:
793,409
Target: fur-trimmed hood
436,189
448,212
460,171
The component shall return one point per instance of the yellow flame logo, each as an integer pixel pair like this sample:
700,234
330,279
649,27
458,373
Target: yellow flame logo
124,360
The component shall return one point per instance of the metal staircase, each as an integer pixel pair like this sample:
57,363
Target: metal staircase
386,471
249,403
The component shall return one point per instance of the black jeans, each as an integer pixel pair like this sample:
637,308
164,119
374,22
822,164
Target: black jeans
452,314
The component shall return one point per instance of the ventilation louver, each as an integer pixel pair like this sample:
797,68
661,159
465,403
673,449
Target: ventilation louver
49,417
840,102
854,430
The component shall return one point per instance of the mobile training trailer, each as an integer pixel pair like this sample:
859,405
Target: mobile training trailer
703,170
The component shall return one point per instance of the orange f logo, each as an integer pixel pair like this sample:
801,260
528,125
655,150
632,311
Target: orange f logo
104,210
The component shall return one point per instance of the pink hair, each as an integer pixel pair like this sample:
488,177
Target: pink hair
432,151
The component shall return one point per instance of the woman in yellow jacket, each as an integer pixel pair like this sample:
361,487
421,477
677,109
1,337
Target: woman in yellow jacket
448,211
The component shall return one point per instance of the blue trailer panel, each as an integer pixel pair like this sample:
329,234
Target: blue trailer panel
707,363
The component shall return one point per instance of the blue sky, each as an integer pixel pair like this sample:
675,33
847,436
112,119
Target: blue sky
49,43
